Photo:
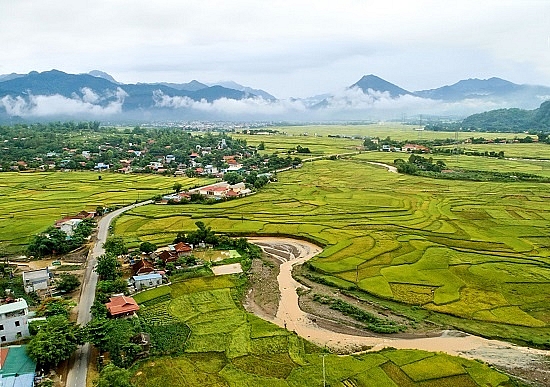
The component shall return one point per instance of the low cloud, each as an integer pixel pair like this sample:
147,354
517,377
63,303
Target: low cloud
351,103
89,104
248,107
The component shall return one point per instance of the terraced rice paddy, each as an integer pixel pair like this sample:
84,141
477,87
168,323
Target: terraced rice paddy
476,251
229,347
30,202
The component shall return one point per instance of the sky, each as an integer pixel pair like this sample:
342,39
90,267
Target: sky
296,48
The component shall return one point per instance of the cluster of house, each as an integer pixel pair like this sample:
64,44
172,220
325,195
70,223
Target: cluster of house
405,148
16,368
14,313
221,190
146,276
69,224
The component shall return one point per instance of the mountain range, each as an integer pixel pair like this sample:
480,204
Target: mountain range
56,94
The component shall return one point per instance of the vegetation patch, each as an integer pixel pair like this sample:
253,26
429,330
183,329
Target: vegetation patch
373,323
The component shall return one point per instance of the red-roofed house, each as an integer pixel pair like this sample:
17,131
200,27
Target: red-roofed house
168,256
121,306
142,267
183,249
415,148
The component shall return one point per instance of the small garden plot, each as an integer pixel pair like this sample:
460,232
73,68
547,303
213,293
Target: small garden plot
216,255
233,268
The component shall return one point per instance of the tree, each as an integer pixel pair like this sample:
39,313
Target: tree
177,187
68,283
119,285
113,376
261,146
114,336
232,177
54,307
115,245
107,267
147,247
55,341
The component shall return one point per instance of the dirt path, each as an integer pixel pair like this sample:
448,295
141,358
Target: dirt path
389,167
289,315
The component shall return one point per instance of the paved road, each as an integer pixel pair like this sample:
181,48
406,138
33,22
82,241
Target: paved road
78,363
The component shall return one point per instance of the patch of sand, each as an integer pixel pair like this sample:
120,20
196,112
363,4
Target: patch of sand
227,269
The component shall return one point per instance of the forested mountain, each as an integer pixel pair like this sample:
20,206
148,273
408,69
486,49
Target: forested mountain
55,95
510,120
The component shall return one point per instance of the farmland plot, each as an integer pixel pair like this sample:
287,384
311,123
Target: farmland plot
477,251
229,347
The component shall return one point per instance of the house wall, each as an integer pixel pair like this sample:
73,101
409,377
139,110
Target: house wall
31,286
142,284
14,325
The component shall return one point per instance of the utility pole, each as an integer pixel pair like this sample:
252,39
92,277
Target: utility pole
324,374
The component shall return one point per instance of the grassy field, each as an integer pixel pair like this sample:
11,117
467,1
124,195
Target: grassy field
30,202
476,252
395,131
229,347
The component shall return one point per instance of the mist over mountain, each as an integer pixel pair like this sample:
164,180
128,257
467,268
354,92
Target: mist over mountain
55,95
372,82
249,90
102,74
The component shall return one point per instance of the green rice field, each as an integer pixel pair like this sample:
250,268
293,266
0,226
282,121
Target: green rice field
31,202
229,347
476,252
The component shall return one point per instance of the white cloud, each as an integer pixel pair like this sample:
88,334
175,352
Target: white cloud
347,104
248,107
288,48
58,105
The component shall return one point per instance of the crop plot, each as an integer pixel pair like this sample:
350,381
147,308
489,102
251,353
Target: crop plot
473,250
228,347
30,202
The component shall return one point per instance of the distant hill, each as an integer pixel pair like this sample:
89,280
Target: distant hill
8,77
191,86
104,75
492,89
510,120
101,89
234,85
56,94
378,84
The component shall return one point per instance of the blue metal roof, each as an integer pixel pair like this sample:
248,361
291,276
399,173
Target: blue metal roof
146,277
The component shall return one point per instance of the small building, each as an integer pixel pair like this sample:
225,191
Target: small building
121,306
36,280
101,167
146,281
168,256
142,267
182,249
14,323
69,226
16,367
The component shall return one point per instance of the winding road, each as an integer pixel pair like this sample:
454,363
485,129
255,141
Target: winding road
78,363
289,315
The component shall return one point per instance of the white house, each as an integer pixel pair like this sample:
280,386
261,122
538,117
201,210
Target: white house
146,281
69,226
14,322
36,280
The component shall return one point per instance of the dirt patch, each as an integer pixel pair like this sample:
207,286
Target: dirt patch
263,296
227,269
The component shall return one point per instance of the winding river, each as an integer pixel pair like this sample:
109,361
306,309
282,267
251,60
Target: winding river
291,252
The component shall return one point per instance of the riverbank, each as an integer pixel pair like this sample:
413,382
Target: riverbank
528,363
